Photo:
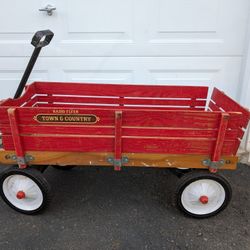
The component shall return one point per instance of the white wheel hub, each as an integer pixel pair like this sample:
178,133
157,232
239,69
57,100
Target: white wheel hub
203,196
22,192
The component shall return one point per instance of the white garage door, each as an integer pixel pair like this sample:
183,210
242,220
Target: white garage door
144,41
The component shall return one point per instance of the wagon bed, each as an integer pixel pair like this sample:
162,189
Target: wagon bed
121,125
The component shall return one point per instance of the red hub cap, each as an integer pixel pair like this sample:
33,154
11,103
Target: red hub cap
20,195
204,199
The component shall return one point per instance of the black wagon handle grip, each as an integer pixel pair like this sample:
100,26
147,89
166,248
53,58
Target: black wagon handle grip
42,38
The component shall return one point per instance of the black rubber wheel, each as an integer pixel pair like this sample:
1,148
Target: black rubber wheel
180,172
40,168
65,168
202,194
24,190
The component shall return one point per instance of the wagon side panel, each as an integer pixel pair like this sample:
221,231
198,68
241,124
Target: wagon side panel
142,131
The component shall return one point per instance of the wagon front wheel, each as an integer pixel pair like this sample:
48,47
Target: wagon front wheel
202,195
24,190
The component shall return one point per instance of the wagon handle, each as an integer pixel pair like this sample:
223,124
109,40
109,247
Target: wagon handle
40,39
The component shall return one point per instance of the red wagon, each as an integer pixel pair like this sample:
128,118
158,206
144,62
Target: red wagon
67,124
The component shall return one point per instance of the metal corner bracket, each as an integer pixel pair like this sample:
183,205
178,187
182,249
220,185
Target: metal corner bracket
213,164
20,160
117,162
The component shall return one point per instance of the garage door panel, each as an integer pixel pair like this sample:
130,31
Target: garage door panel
100,19
128,28
100,76
9,79
20,17
196,27
188,16
212,71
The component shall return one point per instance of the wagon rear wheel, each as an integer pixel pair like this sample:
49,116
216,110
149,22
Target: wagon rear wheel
203,194
24,190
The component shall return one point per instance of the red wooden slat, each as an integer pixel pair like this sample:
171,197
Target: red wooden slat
132,131
74,144
213,106
140,117
129,145
66,130
175,132
220,137
112,107
240,133
29,92
18,145
229,104
236,146
118,140
127,131
31,102
27,115
175,146
121,90
180,119
3,115
122,101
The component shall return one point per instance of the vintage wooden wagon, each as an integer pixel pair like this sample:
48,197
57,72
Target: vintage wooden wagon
119,125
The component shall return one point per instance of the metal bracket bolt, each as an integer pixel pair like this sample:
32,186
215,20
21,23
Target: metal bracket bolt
20,160
213,164
118,162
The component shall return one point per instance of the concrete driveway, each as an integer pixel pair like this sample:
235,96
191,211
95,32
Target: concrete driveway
97,208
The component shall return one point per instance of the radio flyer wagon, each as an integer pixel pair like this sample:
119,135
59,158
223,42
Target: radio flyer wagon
118,125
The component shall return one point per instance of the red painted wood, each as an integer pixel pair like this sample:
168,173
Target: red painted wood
140,117
118,139
31,102
16,136
175,132
213,106
132,131
170,130
179,119
129,144
229,105
106,106
173,146
63,143
122,101
67,130
29,92
121,90
236,146
220,137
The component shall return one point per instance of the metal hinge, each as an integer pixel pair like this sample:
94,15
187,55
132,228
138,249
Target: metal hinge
213,164
118,162
20,160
